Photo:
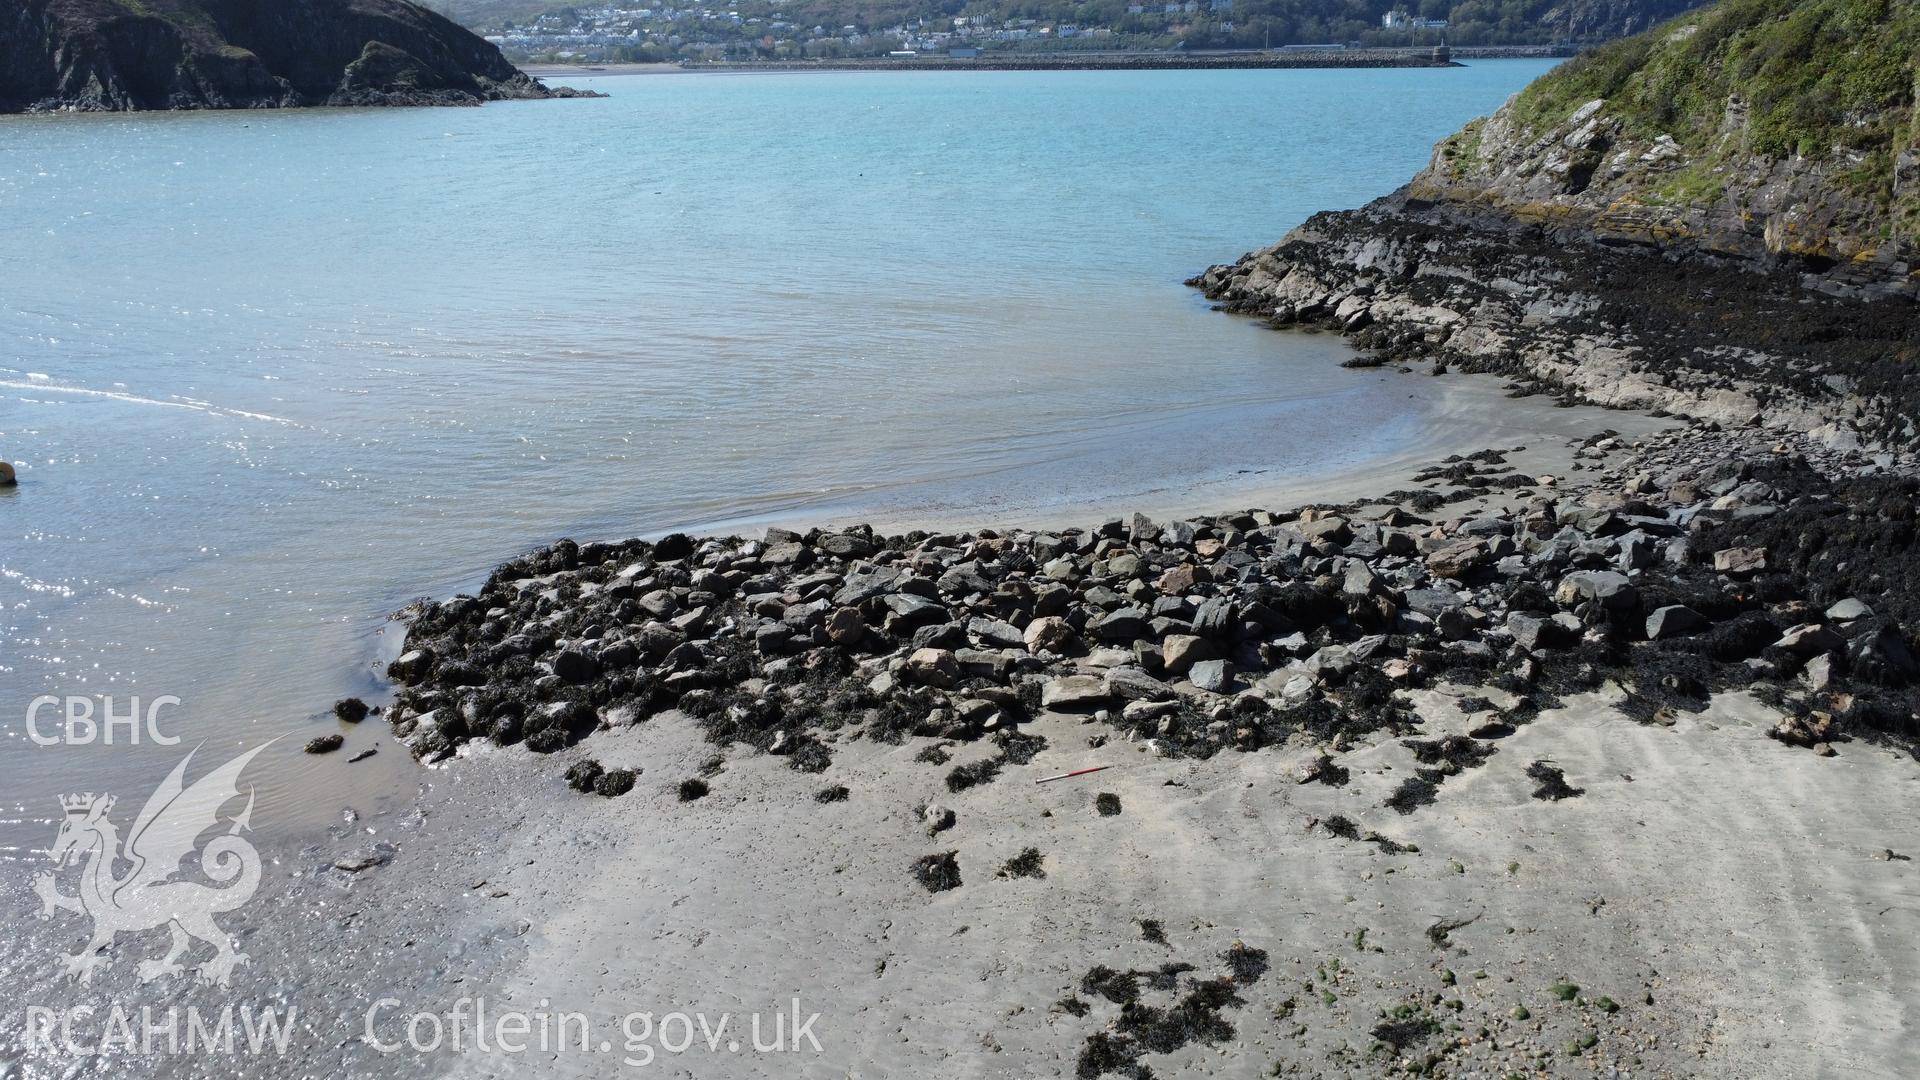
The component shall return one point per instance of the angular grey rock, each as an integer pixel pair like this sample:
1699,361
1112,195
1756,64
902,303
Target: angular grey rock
1050,633
1811,639
1609,588
1431,602
1532,632
1133,684
575,666
1332,530
911,611
685,656
974,711
1638,551
1331,663
934,667
1592,521
1212,675
1062,569
1818,674
846,626
791,553
992,663
1740,561
1123,624
847,545
941,636
1074,692
1848,610
411,666
1674,620
996,633
1214,618
1369,646
1178,652
1457,560
1362,581
865,585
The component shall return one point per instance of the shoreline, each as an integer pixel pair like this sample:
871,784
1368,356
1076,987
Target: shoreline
1254,59
1472,413
1261,854
791,873
1357,59
1462,664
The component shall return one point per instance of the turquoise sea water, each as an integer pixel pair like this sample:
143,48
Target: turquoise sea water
268,376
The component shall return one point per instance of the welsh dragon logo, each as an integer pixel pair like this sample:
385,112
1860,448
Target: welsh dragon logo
147,896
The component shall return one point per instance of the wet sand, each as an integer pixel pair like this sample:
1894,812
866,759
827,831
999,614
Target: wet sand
1714,903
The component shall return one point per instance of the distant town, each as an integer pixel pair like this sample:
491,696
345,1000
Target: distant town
696,34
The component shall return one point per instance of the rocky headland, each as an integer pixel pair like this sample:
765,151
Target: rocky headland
120,55
1713,219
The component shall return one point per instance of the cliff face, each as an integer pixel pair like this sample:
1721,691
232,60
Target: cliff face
110,55
1717,218
1770,132
1600,20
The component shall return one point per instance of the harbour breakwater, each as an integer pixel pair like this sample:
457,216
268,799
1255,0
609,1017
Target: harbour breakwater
1155,61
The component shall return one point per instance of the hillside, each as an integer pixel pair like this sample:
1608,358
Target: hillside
790,29
111,55
1764,129
1716,219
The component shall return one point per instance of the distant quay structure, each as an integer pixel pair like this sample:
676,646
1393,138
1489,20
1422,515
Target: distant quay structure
1295,56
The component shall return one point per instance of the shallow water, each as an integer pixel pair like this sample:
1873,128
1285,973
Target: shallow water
269,375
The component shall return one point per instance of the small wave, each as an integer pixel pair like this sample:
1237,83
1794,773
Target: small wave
136,598
32,584
38,385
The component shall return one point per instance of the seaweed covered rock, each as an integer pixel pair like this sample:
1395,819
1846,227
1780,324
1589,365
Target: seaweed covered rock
1316,623
1754,157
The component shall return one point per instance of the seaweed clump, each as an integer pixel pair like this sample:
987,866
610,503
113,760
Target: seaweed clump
1553,782
1162,1009
1027,864
938,872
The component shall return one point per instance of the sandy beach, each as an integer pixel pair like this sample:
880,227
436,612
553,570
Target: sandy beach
1710,902
757,894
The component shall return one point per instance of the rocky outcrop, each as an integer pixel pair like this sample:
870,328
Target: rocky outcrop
1596,170
116,55
1691,562
1589,239
1664,331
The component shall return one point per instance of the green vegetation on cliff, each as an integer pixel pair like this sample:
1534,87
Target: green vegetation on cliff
1821,80
1763,129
